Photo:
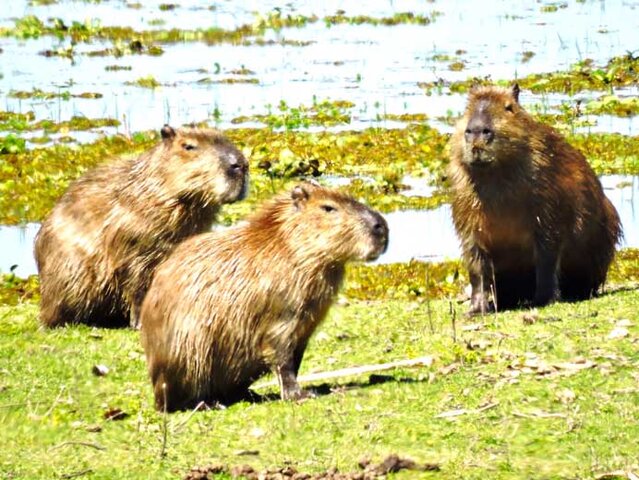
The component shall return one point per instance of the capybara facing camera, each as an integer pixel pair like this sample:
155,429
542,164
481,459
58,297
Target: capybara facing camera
97,249
531,214
227,307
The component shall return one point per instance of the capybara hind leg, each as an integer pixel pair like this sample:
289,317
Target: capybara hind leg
168,397
578,287
55,315
479,303
546,284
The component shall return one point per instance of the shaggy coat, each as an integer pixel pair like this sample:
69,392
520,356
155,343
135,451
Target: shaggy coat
98,248
227,307
531,214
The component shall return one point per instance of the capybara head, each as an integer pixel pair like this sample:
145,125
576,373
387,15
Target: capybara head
330,225
490,130
201,164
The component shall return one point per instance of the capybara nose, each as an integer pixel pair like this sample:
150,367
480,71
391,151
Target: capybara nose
479,128
487,134
380,229
237,167
484,134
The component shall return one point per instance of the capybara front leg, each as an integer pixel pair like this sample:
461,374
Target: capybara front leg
480,282
287,378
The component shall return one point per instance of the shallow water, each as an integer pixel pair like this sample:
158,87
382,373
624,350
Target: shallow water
376,67
424,235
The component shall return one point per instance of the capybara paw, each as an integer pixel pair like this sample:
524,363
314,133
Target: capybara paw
298,395
480,308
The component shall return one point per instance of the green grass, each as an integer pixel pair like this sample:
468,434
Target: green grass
542,422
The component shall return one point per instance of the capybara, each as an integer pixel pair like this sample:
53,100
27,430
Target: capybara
531,215
97,249
227,307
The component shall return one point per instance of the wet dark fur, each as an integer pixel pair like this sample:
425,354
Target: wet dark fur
97,249
528,208
227,307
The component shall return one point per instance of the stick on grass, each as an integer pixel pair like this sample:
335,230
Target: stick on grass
350,371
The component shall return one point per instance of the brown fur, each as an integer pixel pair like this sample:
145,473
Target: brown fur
97,249
529,210
227,307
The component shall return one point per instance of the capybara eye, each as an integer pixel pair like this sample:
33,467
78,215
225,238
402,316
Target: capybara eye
188,146
328,208
509,107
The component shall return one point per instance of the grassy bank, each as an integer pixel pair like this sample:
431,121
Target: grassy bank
546,394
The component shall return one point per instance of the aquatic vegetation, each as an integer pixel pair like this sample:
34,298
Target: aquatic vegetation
405,117
584,75
31,181
116,68
276,20
75,123
242,71
135,47
625,267
232,80
323,112
36,93
14,290
552,7
15,121
614,105
414,281
11,144
21,122
407,281
63,52
279,155
145,82
32,27
396,19
609,152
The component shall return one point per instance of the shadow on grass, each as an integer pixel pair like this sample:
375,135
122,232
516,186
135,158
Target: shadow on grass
324,389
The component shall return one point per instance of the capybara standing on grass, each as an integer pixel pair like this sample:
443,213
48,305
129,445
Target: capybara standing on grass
98,248
532,217
227,307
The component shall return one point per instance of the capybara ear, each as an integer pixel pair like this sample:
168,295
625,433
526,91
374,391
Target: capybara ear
474,87
515,91
167,132
299,194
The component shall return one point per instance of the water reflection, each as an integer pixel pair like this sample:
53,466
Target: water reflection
16,249
425,235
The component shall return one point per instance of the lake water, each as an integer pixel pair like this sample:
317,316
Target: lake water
376,67
424,235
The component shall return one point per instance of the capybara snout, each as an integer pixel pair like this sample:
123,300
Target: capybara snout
378,229
480,128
